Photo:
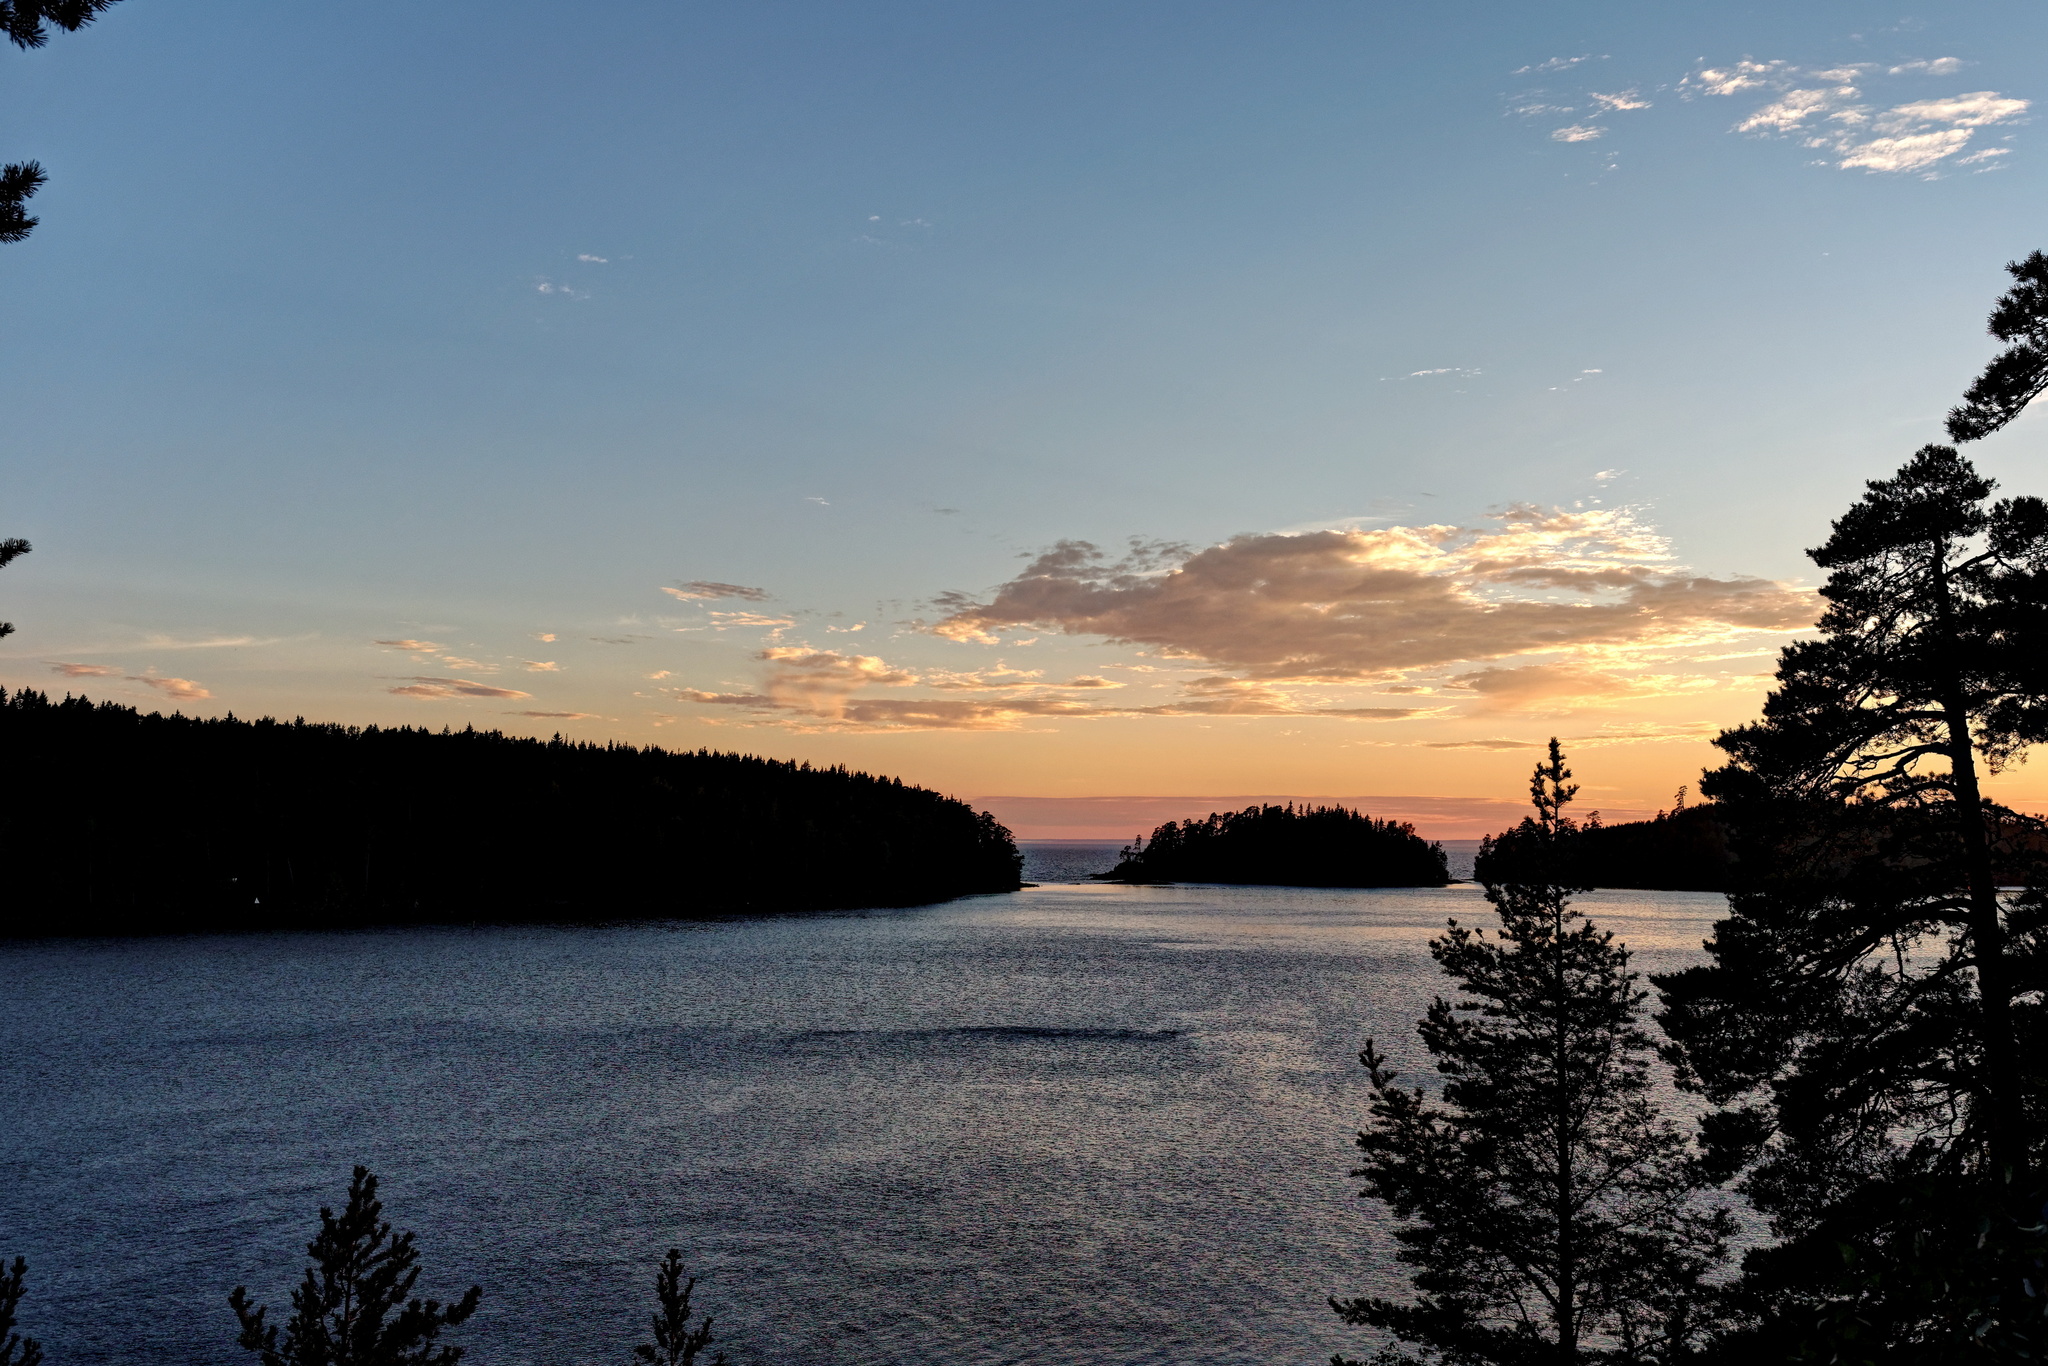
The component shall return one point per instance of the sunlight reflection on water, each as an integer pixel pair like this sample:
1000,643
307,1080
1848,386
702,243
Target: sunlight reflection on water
1080,1123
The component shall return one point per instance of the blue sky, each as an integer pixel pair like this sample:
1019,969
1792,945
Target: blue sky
465,325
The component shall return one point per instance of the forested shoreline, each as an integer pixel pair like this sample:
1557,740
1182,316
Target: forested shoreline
147,823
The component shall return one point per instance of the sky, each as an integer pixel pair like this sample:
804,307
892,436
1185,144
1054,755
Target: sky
1096,411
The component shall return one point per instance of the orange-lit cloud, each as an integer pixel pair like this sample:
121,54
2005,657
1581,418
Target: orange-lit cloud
807,689
1375,605
179,689
433,689
84,670
426,646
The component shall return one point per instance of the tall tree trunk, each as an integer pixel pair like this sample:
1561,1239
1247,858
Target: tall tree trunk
1567,1243
2006,1140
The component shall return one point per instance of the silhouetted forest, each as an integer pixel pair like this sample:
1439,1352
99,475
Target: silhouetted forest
1288,846
1687,849
133,823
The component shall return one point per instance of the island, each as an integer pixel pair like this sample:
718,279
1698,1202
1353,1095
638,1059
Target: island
1286,846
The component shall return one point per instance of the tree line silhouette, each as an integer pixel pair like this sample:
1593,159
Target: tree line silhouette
146,823
1306,846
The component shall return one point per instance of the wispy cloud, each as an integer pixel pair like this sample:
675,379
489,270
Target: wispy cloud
542,666
1578,132
556,715
706,590
812,690
423,646
179,689
1556,64
434,689
83,670
560,291
596,261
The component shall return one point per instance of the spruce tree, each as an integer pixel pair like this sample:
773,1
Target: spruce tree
1871,1022
353,1308
1550,1211
15,1350
675,1343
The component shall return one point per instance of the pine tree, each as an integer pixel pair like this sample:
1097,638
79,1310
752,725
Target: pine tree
11,549
15,1350
353,1306
2018,374
1871,1023
27,24
675,1343
1550,1211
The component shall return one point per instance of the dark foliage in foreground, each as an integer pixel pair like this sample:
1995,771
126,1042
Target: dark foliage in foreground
15,1350
1288,846
27,24
1871,1025
355,1305
1682,850
1549,1212
151,823
675,1343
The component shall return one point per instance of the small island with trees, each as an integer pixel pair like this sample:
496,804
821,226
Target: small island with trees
1286,846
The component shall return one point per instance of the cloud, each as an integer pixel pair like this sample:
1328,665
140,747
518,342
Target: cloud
1484,744
704,590
180,689
1733,80
1938,66
1826,110
542,666
421,645
1578,132
620,640
1562,688
545,637
721,620
545,286
468,665
84,670
811,690
1606,476
1374,605
1556,64
434,689
597,261
556,715
819,501
1620,102
1459,371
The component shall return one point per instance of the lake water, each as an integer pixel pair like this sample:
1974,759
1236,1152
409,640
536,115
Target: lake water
1077,1124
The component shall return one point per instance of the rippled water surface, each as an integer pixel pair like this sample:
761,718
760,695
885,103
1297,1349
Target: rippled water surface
1076,1124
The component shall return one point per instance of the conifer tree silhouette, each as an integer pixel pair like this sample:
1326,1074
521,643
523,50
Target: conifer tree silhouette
15,1350
1871,1023
27,24
353,1308
11,549
1549,1209
675,1343
2017,375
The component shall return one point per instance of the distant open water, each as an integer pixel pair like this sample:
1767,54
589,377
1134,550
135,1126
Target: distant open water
1079,1124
